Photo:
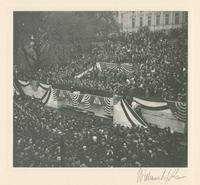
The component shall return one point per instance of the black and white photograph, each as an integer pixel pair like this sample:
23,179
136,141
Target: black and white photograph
100,89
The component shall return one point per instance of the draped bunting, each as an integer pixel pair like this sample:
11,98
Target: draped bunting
125,67
75,98
179,110
46,96
86,101
152,105
163,114
23,83
32,88
125,116
44,86
128,68
107,104
57,98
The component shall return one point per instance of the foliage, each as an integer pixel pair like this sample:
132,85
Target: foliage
39,34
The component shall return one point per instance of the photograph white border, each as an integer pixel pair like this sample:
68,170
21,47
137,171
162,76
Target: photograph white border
91,176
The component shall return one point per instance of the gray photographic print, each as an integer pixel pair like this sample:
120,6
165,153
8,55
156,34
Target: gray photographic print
100,89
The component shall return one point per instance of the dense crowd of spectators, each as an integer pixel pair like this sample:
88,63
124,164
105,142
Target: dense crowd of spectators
160,55
72,139
45,137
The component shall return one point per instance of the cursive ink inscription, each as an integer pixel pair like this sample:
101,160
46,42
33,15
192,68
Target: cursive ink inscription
166,175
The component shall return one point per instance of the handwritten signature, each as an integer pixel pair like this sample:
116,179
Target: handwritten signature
166,175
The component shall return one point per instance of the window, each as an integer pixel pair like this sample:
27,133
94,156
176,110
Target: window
157,19
149,20
141,21
176,18
133,22
167,19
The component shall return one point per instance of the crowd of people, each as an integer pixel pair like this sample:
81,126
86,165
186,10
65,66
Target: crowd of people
72,139
160,55
45,137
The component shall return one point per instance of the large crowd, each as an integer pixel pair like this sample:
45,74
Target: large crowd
161,57
45,137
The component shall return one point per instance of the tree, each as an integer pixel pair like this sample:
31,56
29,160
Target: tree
30,36
36,32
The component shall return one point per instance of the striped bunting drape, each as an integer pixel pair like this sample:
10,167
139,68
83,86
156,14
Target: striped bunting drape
74,98
44,86
125,67
125,116
136,119
107,104
179,109
32,88
54,91
86,101
24,83
46,96
151,105
110,66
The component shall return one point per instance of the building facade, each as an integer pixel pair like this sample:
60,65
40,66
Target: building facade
156,20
